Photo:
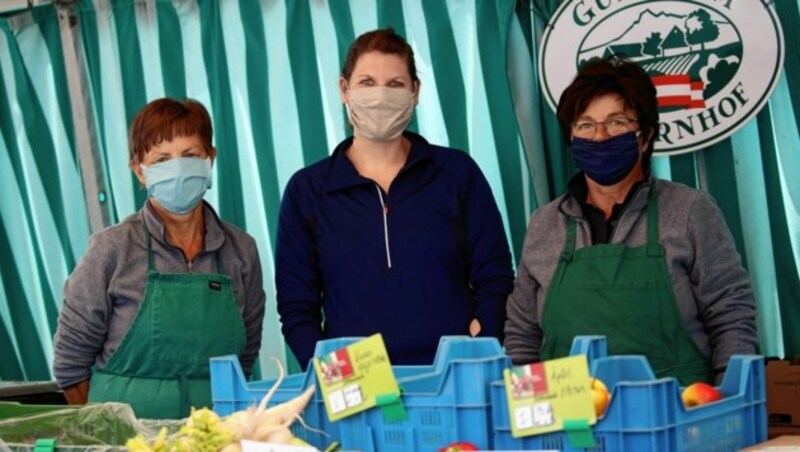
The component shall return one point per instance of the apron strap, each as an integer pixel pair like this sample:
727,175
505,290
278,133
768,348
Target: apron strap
569,244
653,247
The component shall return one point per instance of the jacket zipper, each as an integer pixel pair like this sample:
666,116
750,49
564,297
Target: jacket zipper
385,208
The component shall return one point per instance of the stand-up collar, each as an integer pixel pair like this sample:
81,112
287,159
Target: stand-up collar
577,190
343,174
214,236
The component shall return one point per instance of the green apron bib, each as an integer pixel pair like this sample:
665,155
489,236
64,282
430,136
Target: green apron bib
161,367
623,293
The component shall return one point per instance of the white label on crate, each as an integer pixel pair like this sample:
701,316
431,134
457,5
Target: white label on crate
543,414
336,401
352,395
538,415
524,417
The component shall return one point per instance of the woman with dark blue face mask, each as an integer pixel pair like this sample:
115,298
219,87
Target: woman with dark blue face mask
648,263
172,285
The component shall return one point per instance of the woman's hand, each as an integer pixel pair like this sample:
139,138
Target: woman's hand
78,393
474,327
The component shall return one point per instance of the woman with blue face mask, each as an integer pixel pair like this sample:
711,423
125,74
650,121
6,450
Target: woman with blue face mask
648,263
390,234
172,285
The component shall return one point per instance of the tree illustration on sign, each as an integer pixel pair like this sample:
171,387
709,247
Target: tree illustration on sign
700,28
652,45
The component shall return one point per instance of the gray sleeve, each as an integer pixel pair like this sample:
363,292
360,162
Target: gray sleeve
523,334
253,314
721,286
83,320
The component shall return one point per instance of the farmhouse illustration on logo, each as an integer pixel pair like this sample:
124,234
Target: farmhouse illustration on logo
689,57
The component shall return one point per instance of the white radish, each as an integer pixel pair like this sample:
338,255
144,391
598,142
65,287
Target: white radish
262,424
280,436
232,447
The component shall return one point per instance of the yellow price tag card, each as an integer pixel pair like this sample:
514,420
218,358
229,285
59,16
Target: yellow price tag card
541,396
353,377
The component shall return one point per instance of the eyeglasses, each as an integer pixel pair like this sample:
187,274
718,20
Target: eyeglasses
616,125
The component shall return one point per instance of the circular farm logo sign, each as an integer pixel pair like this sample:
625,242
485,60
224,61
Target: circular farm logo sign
714,62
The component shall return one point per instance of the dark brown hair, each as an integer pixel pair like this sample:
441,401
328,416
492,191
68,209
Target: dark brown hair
384,41
165,119
612,75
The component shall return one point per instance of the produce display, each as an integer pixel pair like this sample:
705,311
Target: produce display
206,431
98,425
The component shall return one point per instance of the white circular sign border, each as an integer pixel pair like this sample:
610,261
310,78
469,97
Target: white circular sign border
712,139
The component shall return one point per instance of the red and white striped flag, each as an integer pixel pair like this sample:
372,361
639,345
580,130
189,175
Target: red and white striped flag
341,359
679,91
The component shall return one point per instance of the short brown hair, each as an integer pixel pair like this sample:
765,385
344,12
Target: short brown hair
612,75
164,119
384,41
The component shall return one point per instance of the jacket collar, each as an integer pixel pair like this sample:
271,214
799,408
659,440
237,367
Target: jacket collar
215,234
571,206
342,174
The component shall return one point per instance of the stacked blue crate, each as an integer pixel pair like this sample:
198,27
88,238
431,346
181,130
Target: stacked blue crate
647,414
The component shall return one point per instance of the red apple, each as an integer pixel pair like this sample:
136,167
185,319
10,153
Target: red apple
699,394
600,396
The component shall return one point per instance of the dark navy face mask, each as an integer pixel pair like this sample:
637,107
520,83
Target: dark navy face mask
606,162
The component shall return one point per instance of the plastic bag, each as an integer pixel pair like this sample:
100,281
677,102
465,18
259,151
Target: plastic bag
102,424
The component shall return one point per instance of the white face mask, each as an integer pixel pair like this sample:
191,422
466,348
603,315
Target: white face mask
178,184
380,113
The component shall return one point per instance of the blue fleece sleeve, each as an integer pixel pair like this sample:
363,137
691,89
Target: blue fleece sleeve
297,277
490,269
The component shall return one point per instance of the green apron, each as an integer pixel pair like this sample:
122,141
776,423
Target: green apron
623,293
161,367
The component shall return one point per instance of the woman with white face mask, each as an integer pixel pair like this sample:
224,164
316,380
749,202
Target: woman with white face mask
648,263
172,285
390,234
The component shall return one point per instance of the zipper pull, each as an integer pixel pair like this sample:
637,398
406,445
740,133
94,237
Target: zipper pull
189,265
385,209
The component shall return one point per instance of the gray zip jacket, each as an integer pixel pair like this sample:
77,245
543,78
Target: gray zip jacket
106,288
711,287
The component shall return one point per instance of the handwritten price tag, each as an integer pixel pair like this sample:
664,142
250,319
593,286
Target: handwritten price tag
352,377
542,396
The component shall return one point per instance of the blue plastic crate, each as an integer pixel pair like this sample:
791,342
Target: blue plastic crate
647,414
450,398
446,402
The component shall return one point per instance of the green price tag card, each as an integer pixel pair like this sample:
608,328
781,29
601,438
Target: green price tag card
542,396
354,378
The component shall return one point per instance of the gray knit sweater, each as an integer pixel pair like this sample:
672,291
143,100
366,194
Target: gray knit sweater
104,292
711,288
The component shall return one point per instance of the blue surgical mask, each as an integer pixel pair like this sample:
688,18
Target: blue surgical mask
609,161
178,184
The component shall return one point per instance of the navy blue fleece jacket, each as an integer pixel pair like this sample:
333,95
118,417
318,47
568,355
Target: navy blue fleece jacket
416,263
